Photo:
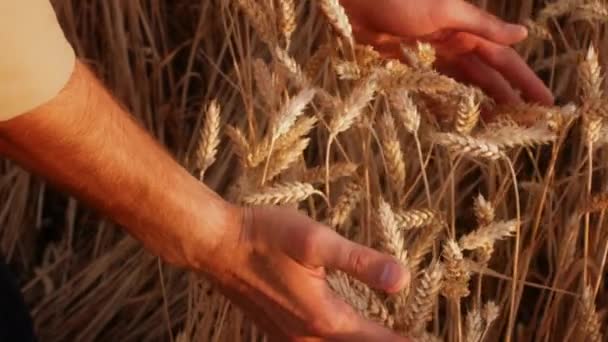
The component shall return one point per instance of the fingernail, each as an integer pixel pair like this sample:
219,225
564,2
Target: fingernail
519,30
391,276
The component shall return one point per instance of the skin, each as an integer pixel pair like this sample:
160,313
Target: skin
472,45
270,261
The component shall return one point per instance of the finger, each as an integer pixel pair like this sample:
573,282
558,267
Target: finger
462,16
471,69
510,64
369,331
503,59
324,247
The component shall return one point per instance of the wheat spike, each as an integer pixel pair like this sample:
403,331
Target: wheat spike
491,311
283,159
592,10
209,137
294,71
597,203
347,70
467,115
537,31
338,19
336,171
239,143
456,274
352,108
426,54
488,235
345,205
415,218
414,80
423,300
510,136
474,147
406,109
291,111
474,326
264,82
281,194
261,151
589,321
592,128
287,19
429,337
556,9
316,62
484,211
360,297
422,246
389,236
591,76
393,154
258,19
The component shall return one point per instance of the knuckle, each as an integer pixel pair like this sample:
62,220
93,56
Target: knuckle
357,260
326,326
309,245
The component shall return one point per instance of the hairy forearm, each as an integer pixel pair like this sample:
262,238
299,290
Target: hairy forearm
84,142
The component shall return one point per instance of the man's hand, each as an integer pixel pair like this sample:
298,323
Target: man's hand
472,45
271,261
274,267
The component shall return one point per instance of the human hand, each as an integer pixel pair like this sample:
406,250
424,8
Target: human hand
273,267
471,44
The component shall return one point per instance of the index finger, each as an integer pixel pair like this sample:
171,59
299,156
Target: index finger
510,64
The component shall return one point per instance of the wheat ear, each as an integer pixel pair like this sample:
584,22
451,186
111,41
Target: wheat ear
423,300
480,148
282,194
338,19
209,138
393,154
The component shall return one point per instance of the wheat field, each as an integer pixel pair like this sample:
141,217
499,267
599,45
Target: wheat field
502,222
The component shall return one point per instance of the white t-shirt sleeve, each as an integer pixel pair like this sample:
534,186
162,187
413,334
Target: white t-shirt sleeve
36,61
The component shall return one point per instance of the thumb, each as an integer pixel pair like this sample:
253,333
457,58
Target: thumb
379,271
313,244
459,15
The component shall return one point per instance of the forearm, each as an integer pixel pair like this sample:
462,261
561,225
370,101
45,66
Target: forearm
84,142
